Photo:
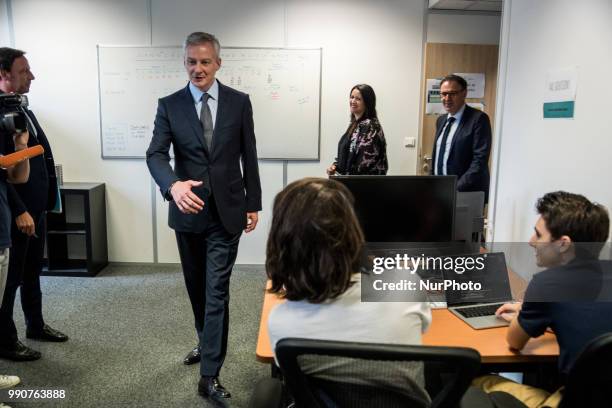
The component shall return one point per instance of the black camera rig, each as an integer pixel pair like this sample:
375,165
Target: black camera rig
12,116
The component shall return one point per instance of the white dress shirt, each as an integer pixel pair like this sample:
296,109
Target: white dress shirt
213,101
449,140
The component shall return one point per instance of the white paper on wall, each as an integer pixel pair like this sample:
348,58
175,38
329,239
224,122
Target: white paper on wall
433,102
476,84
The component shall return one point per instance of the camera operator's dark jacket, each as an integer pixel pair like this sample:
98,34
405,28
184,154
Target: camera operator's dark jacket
40,192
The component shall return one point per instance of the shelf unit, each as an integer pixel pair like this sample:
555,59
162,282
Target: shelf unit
76,238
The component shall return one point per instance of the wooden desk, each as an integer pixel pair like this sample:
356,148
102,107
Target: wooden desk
447,330
264,349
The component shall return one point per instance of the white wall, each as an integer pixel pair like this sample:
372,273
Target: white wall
60,38
463,28
536,155
4,25
387,56
62,54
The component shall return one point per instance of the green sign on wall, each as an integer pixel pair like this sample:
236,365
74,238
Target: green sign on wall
559,109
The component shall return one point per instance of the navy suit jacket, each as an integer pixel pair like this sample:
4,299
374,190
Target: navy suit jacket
468,158
39,193
235,192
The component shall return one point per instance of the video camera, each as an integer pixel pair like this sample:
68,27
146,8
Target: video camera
12,117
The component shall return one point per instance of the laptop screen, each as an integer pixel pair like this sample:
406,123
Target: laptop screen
493,280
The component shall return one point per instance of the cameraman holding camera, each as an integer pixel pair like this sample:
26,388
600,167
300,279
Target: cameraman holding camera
9,141
29,203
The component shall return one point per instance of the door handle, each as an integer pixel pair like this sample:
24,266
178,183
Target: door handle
426,163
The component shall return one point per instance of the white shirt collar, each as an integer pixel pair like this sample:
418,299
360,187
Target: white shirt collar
197,93
458,114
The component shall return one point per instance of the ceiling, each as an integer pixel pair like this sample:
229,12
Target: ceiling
466,5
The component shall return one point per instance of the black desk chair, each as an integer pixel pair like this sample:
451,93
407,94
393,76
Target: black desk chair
589,383
363,370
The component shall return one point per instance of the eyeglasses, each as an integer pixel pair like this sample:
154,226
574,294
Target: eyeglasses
451,94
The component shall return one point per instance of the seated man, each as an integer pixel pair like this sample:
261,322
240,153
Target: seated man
568,238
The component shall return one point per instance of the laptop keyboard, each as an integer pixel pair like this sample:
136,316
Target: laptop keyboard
479,310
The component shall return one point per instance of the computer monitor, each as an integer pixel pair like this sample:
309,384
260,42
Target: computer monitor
469,219
404,208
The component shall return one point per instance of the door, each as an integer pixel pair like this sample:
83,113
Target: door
443,59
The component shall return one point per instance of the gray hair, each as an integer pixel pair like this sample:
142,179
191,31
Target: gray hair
200,37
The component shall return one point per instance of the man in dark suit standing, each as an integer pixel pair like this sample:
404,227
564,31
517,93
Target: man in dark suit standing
17,174
210,127
463,139
29,204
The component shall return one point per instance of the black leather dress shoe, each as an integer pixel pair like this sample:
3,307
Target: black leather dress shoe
211,387
19,352
47,334
192,357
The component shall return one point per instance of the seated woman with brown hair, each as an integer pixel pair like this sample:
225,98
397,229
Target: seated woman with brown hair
313,260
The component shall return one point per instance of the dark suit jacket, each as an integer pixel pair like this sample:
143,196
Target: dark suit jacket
39,193
469,151
235,192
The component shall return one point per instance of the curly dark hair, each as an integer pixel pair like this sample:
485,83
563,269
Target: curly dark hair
315,242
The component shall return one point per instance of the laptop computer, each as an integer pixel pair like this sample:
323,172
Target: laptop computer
435,296
477,307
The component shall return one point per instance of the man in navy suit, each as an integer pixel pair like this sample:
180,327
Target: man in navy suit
29,204
463,139
210,127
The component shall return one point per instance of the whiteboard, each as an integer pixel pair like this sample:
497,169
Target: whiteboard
284,86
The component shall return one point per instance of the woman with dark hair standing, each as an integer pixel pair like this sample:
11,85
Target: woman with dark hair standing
362,149
313,260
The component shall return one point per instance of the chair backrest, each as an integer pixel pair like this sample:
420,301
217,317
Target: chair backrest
375,377
589,383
